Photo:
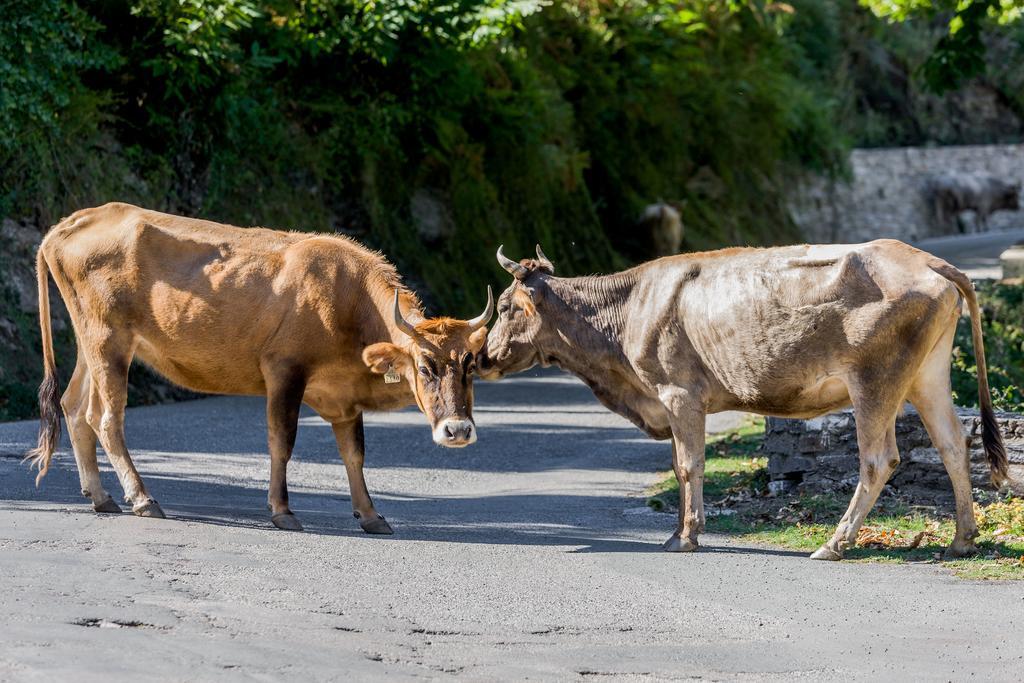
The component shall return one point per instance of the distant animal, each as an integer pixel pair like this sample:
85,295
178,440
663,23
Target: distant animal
665,226
793,331
952,194
297,317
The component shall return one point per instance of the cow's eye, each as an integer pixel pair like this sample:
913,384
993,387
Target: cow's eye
503,309
426,371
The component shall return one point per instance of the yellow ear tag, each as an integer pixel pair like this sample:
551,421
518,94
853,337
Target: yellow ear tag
392,376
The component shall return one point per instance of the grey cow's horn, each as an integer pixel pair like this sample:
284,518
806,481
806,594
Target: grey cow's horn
401,322
544,261
482,319
518,270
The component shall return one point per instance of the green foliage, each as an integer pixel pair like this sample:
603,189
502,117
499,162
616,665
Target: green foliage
1003,329
45,48
528,121
960,54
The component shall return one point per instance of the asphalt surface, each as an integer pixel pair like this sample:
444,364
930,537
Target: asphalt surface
978,254
526,556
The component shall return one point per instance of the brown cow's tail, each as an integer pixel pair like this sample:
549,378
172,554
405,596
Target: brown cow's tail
49,404
991,439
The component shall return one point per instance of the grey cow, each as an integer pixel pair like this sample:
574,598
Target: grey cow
790,331
951,194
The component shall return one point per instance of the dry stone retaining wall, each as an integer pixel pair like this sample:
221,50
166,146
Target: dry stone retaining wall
821,454
885,196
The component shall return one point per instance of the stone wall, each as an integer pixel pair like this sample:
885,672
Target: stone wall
885,196
821,454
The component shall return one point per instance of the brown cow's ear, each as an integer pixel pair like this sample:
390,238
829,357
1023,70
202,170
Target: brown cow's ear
477,339
521,298
384,356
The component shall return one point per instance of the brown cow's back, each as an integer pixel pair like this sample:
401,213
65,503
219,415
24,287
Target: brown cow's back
205,302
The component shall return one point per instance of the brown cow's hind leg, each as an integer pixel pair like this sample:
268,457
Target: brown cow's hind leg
285,388
75,403
349,435
105,414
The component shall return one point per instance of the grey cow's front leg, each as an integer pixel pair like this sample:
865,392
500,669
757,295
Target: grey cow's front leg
351,445
688,463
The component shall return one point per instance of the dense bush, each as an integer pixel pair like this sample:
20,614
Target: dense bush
527,121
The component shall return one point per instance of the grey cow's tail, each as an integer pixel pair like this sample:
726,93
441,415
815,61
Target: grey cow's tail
991,439
49,403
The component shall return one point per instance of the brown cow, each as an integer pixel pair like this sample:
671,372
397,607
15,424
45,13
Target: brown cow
791,331
297,317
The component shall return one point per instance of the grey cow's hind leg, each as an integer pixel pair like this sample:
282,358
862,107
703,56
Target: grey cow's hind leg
932,396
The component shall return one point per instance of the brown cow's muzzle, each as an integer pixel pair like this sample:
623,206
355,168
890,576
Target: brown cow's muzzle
455,432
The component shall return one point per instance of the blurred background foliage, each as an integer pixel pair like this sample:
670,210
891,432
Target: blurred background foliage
437,129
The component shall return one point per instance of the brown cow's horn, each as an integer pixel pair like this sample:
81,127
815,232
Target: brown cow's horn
401,322
481,320
544,261
518,270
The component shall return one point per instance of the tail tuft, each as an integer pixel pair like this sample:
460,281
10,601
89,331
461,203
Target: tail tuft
995,451
991,438
49,427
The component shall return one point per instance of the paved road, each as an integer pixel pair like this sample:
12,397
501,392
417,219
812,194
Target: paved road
521,557
977,255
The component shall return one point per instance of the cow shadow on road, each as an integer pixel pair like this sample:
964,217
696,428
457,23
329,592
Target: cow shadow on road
579,523
206,462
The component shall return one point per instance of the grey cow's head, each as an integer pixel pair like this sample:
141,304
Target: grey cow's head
515,341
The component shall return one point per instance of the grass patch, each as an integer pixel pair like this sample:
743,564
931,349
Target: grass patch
737,503
732,464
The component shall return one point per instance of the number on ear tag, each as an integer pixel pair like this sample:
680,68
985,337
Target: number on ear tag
392,376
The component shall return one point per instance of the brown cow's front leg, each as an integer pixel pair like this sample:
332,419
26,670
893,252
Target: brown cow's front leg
688,463
349,435
284,398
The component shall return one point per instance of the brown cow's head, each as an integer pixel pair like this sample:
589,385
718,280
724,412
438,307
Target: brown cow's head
514,342
438,362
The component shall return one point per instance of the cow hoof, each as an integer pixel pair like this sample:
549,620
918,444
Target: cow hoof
107,506
286,521
678,545
379,525
150,508
826,553
956,551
